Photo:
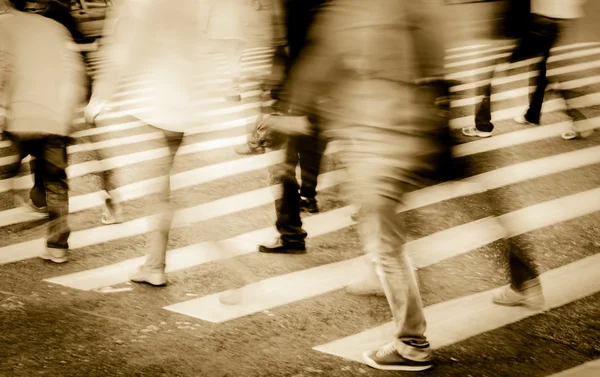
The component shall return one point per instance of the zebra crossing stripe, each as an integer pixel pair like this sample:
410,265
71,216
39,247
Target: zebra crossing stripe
147,187
549,106
466,48
572,68
525,63
423,252
452,321
527,219
524,92
479,52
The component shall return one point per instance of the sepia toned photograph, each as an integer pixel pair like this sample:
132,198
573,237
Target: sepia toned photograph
299,188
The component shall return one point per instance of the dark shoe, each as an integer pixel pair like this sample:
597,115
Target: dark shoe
248,150
280,247
309,205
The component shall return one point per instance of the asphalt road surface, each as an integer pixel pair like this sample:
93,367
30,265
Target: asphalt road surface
84,319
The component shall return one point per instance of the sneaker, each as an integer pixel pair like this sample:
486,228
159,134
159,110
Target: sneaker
388,358
54,254
156,278
474,132
521,120
573,133
366,287
112,213
529,295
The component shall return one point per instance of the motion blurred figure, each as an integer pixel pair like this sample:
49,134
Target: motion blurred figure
223,25
305,148
544,25
168,44
45,83
389,131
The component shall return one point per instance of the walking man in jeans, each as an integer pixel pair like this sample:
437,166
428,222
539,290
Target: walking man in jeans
45,82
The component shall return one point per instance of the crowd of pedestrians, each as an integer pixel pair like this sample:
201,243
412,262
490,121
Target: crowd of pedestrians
367,74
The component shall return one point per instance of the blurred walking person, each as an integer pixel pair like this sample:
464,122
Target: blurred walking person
168,44
305,148
45,82
545,23
224,28
389,131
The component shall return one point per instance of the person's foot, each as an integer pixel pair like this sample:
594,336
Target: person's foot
309,205
155,278
248,150
522,120
280,247
530,294
573,133
413,358
112,213
474,132
54,254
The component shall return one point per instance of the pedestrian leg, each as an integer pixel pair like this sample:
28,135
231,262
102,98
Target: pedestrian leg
153,270
52,162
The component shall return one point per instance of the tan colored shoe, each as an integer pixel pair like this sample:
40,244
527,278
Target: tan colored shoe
529,295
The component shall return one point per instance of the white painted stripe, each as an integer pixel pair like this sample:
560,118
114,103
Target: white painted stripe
212,99
78,170
589,369
548,106
204,113
208,77
452,321
526,76
98,68
523,92
245,52
192,255
328,222
477,60
520,137
424,252
466,48
524,63
93,236
108,129
480,52
147,187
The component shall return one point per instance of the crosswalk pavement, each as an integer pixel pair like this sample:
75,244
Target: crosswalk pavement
213,183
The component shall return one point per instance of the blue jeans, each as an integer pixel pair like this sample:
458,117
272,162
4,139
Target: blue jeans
51,188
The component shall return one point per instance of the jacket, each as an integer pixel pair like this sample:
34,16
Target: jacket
167,45
48,77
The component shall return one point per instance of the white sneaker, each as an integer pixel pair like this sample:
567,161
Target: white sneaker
530,295
474,132
156,278
54,255
521,120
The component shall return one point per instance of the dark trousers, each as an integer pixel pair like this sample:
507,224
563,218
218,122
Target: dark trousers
51,188
540,38
306,151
